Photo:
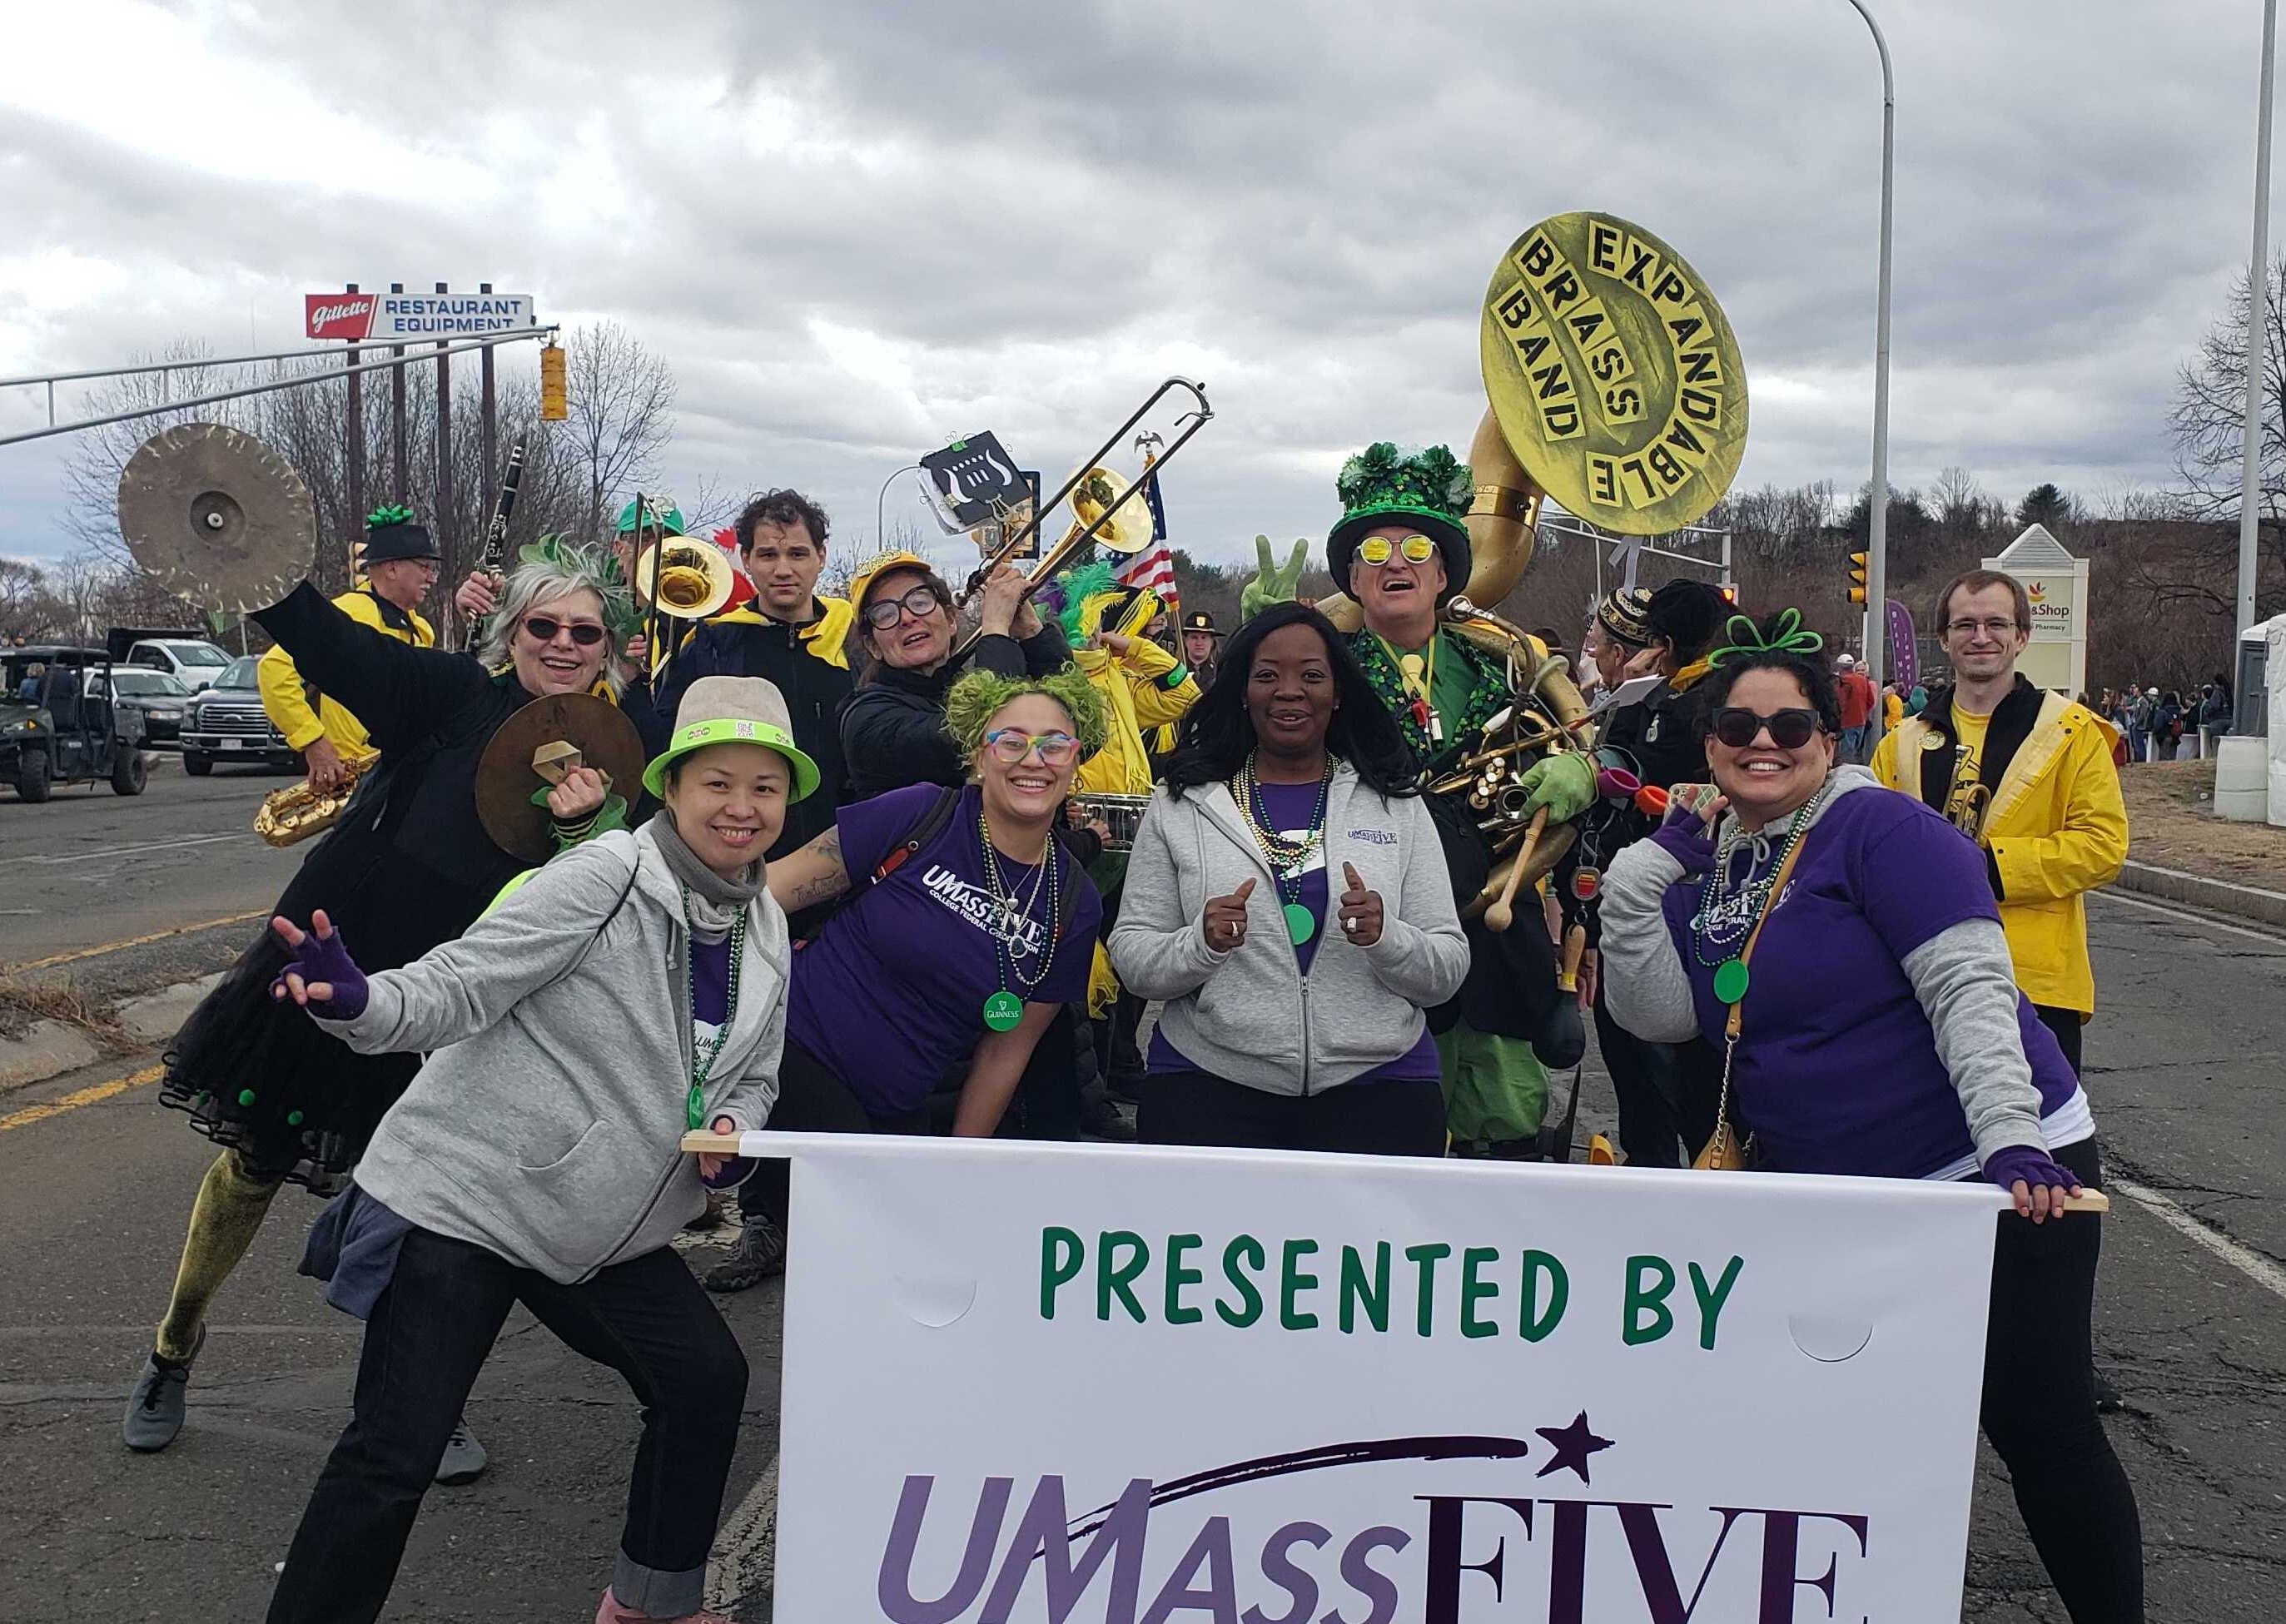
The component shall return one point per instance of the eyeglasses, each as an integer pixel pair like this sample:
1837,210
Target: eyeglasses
883,613
1790,730
587,634
1991,629
1377,550
1011,745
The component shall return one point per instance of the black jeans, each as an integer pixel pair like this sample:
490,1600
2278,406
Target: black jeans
2039,1408
1643,1079
429,1335
1385,1119
2065,1024
811,1100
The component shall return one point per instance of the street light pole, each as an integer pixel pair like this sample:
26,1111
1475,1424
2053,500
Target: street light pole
1877,541
2258,308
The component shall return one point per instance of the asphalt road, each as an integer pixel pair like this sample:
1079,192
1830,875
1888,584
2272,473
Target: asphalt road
2184,1071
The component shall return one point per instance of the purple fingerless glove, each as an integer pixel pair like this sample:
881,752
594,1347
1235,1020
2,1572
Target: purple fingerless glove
735,1173
327,960
2034,1167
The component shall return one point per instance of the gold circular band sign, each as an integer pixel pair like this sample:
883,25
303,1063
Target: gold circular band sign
1613,374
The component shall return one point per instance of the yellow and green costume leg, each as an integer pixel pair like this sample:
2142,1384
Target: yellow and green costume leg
1495,1088
232,1202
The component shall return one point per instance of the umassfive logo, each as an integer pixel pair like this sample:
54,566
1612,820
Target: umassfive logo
1166,1551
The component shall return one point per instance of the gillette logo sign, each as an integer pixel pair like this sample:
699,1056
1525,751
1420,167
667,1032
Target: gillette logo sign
380,317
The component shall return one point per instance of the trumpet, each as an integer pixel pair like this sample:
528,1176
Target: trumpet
292,815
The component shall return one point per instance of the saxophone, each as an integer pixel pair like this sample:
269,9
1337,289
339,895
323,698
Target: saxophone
296,812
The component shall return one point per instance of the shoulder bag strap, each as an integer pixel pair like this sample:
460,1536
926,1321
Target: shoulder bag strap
1778,895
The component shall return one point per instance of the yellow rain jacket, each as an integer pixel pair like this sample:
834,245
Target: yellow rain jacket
2055,829
1135,691
286,697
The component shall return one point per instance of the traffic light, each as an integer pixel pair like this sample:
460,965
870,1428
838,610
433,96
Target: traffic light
1857,567
1729,593
554,405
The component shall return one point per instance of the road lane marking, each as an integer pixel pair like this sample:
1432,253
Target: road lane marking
744,1556
2271,936
2253,1265
93,1095
128,851
77,954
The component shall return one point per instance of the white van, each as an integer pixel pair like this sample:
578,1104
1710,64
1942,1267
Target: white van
193,662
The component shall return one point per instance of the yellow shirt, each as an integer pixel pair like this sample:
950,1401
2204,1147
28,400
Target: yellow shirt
1893,710
1136,696
287,700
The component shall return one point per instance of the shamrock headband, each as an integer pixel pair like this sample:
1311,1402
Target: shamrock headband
1788,636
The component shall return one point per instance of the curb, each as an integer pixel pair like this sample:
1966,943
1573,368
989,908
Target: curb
2254,903
50,1048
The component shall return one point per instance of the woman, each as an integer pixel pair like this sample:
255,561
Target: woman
966,930
407,866
631,991
1294,1015
893,726
1666,1093
1879,1031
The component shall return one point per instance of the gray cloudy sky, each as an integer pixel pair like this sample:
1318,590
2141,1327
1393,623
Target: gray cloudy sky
854,230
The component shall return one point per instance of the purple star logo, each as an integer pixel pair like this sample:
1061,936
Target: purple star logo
1574,1444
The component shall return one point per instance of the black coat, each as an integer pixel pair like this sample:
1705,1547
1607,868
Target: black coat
893,726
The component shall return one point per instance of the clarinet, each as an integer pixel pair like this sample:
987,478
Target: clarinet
496,532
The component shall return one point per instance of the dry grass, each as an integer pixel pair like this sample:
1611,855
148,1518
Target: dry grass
2171,822
23,1003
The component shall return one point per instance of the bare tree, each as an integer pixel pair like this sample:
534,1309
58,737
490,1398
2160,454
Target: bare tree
2207,423
622,405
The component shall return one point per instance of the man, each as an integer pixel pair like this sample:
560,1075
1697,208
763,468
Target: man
400,565
1201,641
798,640
2028,776
1858,702
1401,549
2216,713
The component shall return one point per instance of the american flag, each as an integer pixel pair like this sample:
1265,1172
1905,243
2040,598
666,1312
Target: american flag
1154,568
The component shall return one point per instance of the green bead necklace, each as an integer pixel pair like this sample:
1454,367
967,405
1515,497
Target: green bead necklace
1730,974
702,1059
1288,857
1004,1009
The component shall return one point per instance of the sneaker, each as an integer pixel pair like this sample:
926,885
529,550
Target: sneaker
463,1461
610,1609
154,1409
2107,1401
714,1218
760,1254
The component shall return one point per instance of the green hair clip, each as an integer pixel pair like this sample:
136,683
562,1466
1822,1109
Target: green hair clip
391,512
973,701
1788,637
621,613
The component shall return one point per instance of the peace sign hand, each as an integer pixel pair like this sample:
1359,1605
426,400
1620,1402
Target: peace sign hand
1271,585
321,976
1360,910
1223,924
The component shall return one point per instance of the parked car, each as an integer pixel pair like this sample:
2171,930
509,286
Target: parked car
159,697
225,722
55,729
186,656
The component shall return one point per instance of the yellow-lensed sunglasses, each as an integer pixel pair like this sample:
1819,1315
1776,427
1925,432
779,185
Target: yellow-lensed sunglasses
1378,550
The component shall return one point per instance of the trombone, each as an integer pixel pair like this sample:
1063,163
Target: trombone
1092,486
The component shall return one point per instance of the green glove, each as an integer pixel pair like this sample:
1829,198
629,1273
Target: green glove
1271,585
1564,783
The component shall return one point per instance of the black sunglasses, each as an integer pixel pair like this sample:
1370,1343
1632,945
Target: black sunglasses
1790,730
587,634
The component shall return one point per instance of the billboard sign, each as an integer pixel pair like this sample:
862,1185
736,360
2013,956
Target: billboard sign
400,318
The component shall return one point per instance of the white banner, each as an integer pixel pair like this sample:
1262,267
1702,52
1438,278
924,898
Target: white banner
1142,1386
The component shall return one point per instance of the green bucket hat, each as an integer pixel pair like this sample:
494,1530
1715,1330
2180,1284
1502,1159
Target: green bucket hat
660,514
725,710
1383,485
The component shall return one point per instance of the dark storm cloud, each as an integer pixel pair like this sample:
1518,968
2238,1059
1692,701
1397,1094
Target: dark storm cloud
853,228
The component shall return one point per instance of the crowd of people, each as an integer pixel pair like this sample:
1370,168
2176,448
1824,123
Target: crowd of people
2155,726
864,887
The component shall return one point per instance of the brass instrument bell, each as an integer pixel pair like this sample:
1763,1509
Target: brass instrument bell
695,578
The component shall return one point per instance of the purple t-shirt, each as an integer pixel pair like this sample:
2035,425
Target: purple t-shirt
1837,1070
1290,807
890,995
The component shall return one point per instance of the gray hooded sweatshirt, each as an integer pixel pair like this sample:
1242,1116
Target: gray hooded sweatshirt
1251,1016
547,1126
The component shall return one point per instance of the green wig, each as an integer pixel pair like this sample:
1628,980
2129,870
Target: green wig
973,701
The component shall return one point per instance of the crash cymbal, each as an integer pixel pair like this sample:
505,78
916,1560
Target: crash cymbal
217,517
511,770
